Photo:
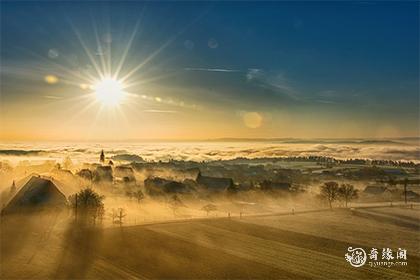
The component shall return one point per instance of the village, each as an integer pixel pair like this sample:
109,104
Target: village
88,215
52,185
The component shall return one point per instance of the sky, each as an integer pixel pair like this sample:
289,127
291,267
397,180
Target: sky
188,70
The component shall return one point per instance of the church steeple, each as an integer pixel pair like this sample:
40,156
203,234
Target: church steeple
102,157
13,188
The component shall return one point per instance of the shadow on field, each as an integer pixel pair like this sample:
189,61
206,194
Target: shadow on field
307,241
16,231
80,243
393,219
25,233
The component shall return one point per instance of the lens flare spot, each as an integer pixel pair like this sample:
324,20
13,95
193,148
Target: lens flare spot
252,119
51,79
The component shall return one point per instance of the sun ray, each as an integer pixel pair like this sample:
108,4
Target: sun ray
157,52
148,59
150,80
126,50
87,51
75,74
100,50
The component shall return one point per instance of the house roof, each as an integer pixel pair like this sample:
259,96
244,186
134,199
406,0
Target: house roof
375,189
37,192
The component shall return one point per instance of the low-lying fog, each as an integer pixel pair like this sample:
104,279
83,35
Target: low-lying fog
398,149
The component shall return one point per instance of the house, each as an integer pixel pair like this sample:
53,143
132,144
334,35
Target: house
38,193
413,196
375,190
267,185
214,183
394,171
103,173
190,173
85,174
157,186
125,173
128,157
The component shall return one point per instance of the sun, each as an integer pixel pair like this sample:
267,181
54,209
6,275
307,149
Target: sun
109,92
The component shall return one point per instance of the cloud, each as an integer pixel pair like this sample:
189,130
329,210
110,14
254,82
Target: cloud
160,111
274,81
253,74
328,93
223,150
20,152
52,97
326,101
213,70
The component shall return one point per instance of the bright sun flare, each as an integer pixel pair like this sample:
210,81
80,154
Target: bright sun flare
109,92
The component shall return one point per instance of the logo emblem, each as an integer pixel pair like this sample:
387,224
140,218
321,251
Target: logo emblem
356,257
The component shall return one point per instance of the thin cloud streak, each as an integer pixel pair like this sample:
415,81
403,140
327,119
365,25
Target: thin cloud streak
52,97
213,70
160,111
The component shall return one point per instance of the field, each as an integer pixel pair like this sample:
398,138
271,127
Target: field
301,246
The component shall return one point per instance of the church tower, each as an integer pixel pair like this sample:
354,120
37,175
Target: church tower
102,157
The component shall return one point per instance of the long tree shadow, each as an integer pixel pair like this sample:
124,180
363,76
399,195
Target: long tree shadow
80,243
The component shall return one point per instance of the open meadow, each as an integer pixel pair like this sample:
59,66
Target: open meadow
302,246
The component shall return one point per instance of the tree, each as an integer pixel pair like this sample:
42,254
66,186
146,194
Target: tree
121,214
138,195
12,189
87,204
174,203
209,207
118,215
67,163
347,192
329,191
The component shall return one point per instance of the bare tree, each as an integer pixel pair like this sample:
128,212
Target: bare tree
138,195
329,191
113,215
118,215
121,213
347,192
175,203
209,207
12,189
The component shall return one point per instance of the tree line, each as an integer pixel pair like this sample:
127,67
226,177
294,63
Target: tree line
331,192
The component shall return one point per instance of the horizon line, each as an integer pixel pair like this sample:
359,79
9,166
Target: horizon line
219,139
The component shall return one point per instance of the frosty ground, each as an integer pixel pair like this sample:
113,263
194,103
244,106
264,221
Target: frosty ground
301,246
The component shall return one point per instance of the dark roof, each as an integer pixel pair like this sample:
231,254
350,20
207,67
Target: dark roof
412,194
85,173
280,186
103,173
104,168
36,193
122,171
156,181
375,189
156,185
